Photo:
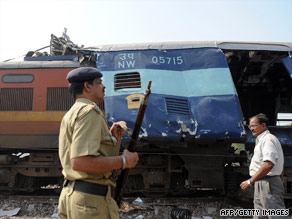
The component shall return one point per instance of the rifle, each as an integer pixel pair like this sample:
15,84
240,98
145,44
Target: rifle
121,182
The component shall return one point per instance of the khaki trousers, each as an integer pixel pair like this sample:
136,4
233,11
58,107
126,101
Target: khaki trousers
78,205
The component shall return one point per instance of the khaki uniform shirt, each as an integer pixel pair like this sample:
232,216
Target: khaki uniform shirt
83,132
268,148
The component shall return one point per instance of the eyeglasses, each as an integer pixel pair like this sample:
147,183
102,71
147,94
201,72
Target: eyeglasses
252,126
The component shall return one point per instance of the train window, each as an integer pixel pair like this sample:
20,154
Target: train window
284,119
127,80
17,78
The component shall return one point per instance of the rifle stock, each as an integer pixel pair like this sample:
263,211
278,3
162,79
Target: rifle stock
121,182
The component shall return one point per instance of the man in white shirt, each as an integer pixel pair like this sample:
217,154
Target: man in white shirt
266,168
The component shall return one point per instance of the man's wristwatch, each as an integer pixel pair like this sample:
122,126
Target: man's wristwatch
248,182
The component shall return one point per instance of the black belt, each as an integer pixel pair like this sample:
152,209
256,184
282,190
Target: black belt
269,177
89,188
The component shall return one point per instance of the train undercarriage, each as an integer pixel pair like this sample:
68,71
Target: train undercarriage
187,169
162,170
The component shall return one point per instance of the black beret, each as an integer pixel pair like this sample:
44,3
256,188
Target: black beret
83,74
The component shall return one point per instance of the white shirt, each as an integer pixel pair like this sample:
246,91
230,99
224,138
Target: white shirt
268,148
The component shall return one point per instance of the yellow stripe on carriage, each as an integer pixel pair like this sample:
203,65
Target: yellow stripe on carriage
31,116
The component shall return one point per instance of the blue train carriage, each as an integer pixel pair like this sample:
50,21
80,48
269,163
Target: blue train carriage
194,135
192,117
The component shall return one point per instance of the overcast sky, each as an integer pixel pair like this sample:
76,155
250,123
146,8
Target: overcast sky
27,24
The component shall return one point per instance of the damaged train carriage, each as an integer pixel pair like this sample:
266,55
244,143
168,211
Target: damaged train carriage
202,96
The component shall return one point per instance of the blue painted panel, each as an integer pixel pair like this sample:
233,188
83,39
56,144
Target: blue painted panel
175,60
288,64
209,106
198,82
218,115
209,117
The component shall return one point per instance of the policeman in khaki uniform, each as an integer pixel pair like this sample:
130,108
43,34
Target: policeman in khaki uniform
89,151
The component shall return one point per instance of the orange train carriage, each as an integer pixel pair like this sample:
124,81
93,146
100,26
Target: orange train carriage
33,99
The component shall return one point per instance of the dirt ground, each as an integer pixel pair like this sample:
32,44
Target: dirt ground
136,209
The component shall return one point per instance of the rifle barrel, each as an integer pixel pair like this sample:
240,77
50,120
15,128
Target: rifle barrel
132,145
